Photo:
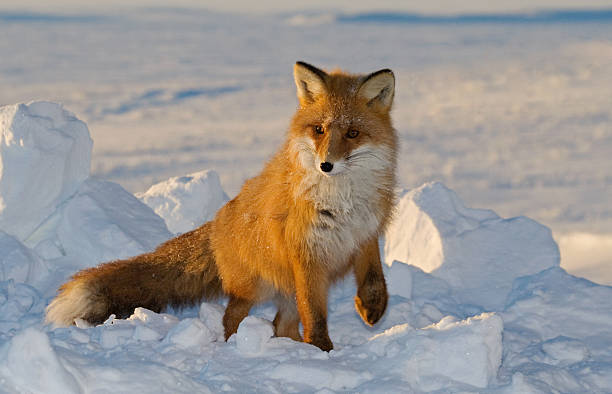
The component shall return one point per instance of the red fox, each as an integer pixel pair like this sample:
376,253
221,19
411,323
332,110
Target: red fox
313,214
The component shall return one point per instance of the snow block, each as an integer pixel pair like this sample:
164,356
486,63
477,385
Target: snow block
186,202
467,351
253,334
48,202
104,221
212,316
101,222
19,263
45,154
190,333
475,251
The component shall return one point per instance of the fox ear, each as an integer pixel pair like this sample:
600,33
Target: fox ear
310,82
378,89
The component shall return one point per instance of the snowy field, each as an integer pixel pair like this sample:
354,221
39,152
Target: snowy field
512,116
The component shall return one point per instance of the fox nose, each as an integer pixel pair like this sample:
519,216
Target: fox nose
326,166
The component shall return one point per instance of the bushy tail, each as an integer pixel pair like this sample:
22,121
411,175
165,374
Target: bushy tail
179,272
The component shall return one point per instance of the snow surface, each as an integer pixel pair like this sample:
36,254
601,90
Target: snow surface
515,117
477,303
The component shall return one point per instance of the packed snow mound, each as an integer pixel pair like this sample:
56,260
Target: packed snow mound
467,351
101,222
45,154
558,334
186,202
48,203
32,347
19,263
30,363
542,303
475,251
452,352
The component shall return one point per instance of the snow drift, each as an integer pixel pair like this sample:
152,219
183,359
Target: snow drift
475,251
48,201
546,331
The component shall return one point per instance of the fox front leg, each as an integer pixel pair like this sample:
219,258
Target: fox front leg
311,287
371,298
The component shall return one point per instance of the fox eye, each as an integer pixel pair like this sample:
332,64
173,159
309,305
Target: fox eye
352,133
318,129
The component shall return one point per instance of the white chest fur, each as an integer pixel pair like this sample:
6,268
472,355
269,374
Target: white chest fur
348,204
342,224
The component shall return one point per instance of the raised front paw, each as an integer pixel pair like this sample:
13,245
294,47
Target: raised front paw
371,304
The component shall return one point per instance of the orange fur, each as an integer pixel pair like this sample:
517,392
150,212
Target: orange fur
288,235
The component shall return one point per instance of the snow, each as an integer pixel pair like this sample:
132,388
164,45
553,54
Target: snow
45,155
544,330
29,364
60,212
190,334
513,118
467,351
186,202
19,263
253,334
475,251
102,222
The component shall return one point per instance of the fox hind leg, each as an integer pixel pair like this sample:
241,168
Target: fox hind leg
287,320
237,309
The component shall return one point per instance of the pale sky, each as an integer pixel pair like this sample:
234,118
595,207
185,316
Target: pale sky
264,6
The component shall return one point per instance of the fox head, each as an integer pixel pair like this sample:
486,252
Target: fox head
343,123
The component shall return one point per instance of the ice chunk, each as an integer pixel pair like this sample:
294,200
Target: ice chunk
45,154
253,334
152,318
150,326
186,202
475,251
